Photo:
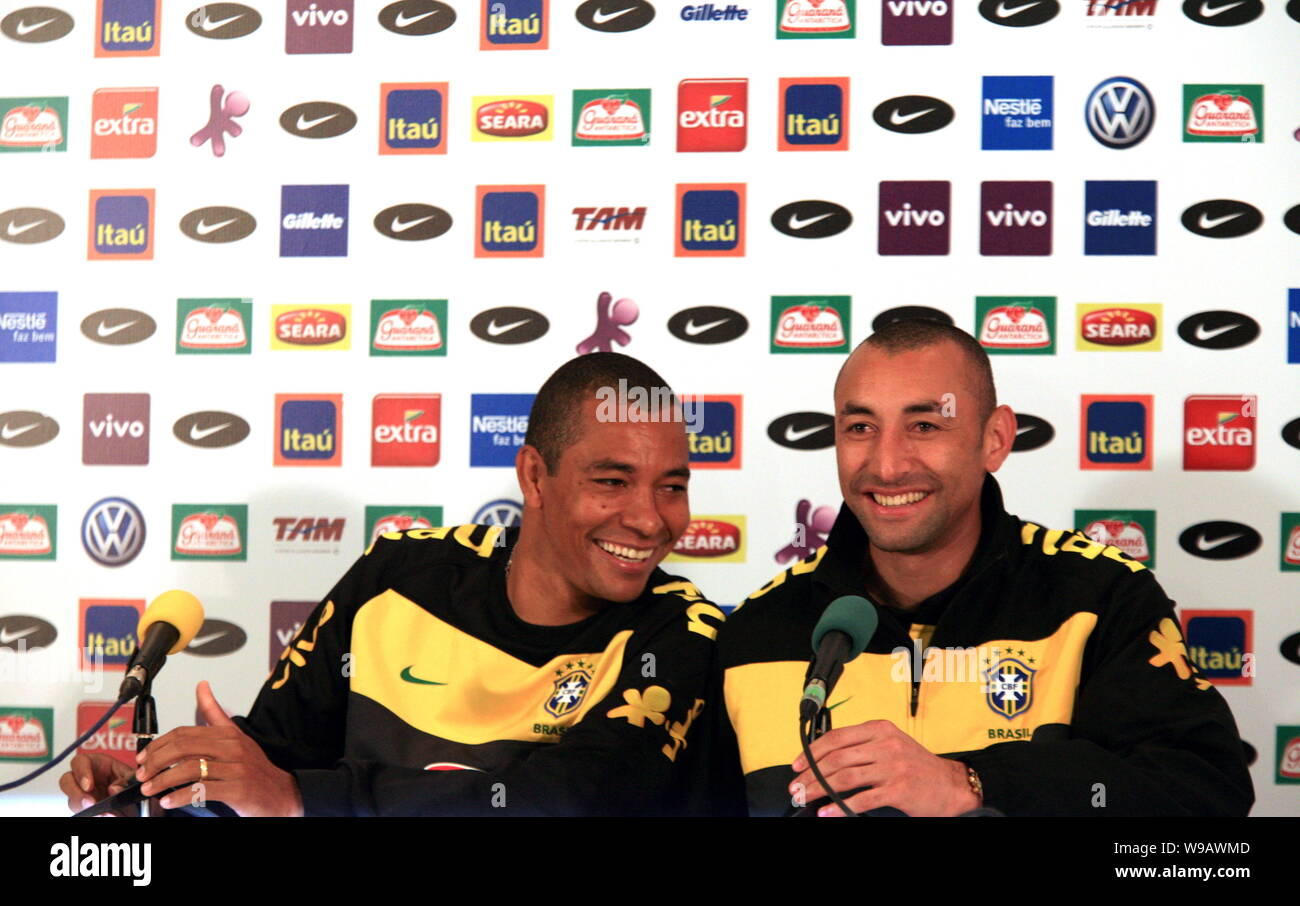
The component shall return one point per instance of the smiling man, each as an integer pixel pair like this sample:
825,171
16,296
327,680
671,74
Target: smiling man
1031,671
552,669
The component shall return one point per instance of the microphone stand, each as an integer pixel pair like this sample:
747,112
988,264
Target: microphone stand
145,727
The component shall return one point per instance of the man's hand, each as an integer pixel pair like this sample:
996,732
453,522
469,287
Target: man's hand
238,771
93,776
899,770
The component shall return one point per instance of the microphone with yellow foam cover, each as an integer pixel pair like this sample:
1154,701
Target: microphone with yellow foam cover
168,624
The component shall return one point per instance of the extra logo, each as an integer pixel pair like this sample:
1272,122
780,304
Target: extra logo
406,327
115,429
209,531
615,15
814,115
497,425
413,117
1218,113
25,428
121,224
914,218
711,539
318,26
33,124
1019,13
223,21
1115,432
297,534
811,324
505,513
28,532
509,325
26,734
112,531
124,122
1132,531
28,226
412,222
1010,685
317,119
510,221
218,224
1032,433
803,431
383,519
1120,112
107,630
811,219
215,638
127,28
1120,217
313,221
1219,432
115,739
417,18
1123,327
1016,325
515,25
1221,644
910,313
210,429
712,114
308,429
1219,329
1017,113
28,327
1220,540
1015,218
717,445
609,118
311,327
21,632
406,429
816,18
607,218
287,620
118,326
36,24
1223,13
1222,218
915,22
1290,542
517,118
912,114
710,220
708,325
214,326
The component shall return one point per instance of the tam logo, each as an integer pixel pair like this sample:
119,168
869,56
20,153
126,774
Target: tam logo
406,430
510,222
710,220
518,118
316,327
717,444
121,224
126,28
814,115
1115,432
1131,327
413,118
1219,432
1221,644
308,429
514,25
124,122
717,539
712,114
309,530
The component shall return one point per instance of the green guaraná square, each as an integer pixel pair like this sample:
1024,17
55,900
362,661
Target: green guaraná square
1291,542
29,531
22,744
33,124
407,327
810,324
1288,754
1132,531
399,518
209,531
802,13
1016,325
1223,113
609,117
214,326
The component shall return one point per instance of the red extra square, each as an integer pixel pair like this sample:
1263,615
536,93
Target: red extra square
712,114
406,429
1219,433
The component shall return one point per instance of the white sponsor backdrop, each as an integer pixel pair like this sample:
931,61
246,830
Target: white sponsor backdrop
1190,274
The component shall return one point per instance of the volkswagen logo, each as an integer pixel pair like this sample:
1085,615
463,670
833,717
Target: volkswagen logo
1120,112
507,513
113,531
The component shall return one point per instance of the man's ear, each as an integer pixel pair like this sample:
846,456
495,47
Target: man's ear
999,435
530,469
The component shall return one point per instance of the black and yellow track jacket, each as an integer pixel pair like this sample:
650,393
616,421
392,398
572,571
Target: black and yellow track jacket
414,689
1055,667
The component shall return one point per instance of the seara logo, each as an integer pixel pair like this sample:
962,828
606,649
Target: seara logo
710,220
1115,432
1108,327
127,28
406,327
712,114
814,115
214,326
310,327
514,25
1219,432
308,429
520,118
413,118
124,122
816,18
510,222
121,224
713,539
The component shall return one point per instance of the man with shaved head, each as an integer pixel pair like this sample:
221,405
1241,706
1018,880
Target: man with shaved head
1015,668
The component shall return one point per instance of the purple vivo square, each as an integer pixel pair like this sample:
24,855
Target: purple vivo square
318,26
1015,218
915,22
914,218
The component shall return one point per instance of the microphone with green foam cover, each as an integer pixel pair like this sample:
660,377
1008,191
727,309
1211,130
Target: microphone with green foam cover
168,624
842,633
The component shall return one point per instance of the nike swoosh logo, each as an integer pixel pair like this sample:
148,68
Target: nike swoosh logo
1020,431
798,223
104,330
1210,12
1203,545
1002,12
693,329
600,17
402,21
197,433
14,230
411,678
1203,334
1206,223
203,228
898,120
495,330
8,433
6,636
209,25
24,29
399,227
791,435
305,124
202,640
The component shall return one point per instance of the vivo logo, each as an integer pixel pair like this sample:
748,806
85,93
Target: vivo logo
313,15
909,217
1010,217
110,427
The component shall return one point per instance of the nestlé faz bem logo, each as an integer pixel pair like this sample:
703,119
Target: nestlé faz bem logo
514,25
498,425
710,220
814,115
413,118
308,429
29,326
510,221
127,28
1017,113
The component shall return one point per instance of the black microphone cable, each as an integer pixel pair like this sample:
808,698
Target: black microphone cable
805,731
68,751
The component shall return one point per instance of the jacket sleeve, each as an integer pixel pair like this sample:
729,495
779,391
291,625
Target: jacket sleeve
1149,735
